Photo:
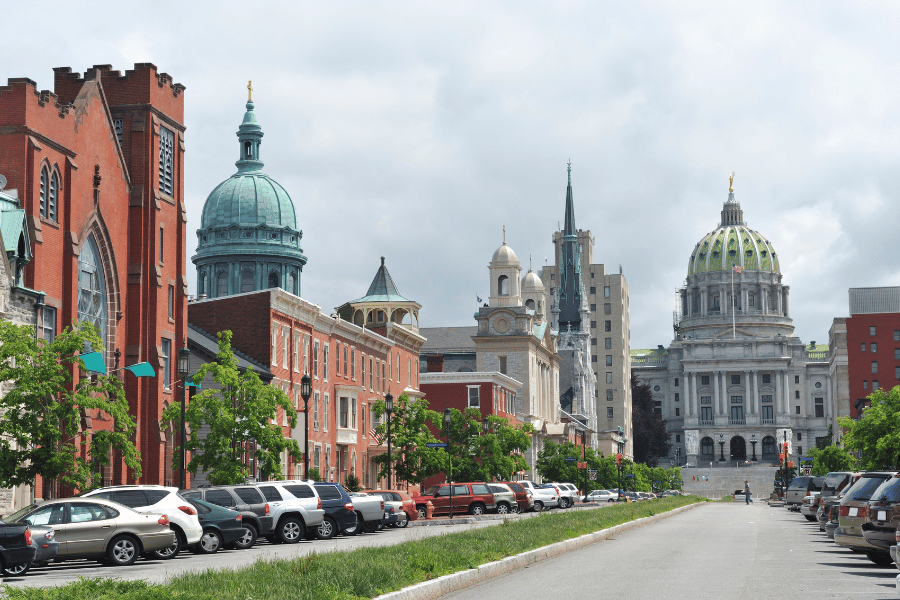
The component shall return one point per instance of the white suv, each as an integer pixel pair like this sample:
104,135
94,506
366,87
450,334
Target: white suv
295,507
568,494
158,500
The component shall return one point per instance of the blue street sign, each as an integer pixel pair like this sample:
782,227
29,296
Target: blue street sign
436,445
570,459
629,475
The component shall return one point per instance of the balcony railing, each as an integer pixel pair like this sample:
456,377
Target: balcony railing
711,422
767,421
738,421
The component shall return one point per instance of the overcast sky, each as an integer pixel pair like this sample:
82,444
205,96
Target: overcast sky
417,130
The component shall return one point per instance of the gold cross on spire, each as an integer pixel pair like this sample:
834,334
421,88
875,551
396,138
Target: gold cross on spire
249,91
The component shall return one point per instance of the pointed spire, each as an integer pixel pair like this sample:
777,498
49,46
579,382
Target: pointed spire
570,207
249,135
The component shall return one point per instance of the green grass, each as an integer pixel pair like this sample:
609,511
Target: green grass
363,572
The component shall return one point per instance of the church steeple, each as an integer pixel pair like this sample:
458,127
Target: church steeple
250,135
570,285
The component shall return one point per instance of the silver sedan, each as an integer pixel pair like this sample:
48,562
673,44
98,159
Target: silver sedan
101,529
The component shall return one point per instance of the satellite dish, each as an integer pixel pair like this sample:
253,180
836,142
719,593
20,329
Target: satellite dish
2,182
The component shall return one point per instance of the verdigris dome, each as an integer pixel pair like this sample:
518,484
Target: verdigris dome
733,244
249,198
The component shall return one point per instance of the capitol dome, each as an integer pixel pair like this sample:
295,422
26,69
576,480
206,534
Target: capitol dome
733,244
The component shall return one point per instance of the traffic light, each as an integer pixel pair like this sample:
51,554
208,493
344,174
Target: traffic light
619,459
781,459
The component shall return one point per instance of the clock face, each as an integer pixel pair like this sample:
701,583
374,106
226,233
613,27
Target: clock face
501,325
656,388
818,384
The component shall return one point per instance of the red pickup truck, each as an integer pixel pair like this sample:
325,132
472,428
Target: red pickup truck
472,498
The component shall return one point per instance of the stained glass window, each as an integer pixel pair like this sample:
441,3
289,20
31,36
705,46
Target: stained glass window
91,287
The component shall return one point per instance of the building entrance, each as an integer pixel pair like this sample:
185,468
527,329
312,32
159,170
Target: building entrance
738,448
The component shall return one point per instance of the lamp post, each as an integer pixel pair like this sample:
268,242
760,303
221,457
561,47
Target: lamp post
388,409
677,457
721,448
449,460
753,441
184,369
305,393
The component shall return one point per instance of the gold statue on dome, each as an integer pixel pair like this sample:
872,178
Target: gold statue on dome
249,91
731,183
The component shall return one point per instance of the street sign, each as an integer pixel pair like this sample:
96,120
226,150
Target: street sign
592,474
436,445
571,459
629,474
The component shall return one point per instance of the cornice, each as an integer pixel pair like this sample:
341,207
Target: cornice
470,377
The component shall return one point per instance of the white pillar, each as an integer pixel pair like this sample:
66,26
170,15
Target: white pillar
715,382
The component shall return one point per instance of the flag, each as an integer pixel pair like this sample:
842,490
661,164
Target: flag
374,435
93,361
142,369
478,299
737,269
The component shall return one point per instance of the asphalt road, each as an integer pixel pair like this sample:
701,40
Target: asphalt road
159,571
718,551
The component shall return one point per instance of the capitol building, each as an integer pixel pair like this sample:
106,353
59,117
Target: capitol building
735,382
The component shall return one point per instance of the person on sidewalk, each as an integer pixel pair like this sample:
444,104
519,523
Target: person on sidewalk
747,498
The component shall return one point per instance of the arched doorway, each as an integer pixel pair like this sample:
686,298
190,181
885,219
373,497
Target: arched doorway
768,448
738,448
707,449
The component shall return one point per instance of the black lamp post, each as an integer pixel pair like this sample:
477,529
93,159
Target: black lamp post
449,460
184,369
388,409
753,441
305,393
721,448
486,425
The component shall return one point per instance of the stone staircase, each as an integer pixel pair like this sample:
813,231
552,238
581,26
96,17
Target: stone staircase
723,481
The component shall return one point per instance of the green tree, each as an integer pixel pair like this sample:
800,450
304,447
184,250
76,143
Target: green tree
240,418
651,440
351,482
479,455
412,460
41,413
675,478
314,475
831,458
876,435
553,466
501,449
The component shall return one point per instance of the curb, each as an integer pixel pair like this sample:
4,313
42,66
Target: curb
436,588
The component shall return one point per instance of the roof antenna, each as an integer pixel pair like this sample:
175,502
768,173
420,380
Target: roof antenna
504,235
570,171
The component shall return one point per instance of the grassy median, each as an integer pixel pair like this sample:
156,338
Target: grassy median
364,572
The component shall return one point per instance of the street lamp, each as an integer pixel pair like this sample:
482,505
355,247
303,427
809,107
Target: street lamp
721,448
305,393
388,409
753,441
184,369
449,460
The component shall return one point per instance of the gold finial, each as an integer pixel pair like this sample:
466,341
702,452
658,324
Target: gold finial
249,91
731,183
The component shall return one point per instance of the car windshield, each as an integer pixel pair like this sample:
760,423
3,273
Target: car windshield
833,481
17,516
864,488
430,491
800,483
889,491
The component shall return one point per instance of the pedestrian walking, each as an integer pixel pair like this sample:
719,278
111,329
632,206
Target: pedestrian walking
747,498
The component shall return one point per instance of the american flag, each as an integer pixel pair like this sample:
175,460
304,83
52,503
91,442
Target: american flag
374,435
737,269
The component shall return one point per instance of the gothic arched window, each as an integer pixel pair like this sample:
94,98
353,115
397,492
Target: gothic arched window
273,279
707,447
92,288
530,304
503,286
45,183
292,282
221,284
202,285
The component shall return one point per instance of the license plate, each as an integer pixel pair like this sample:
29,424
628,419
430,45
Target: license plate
851,512
882,515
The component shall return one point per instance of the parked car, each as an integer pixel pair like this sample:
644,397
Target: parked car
568,494
17,551
371,511
157,500
221,526
543,497
832,524
99,529
255,511
46,547
407,504
810,505
738,496
836,483
504,498
800,488
340,516
394,508
853,514
880,530
524,497
294,507
474,498
600,496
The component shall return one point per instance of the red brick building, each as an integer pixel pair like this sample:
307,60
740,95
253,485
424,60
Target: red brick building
99,167
873,343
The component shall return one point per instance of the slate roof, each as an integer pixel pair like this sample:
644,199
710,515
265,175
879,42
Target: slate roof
383,288
448,340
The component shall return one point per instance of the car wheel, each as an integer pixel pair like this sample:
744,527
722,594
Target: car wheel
421,511
248,539
290,531
369,526
538,506
209,543
879,558
403,523
503,508
355,528
15,570
611,500
170,552
122,551
327,530
476,509
809,518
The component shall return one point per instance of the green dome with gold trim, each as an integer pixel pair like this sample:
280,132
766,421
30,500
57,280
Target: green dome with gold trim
733,244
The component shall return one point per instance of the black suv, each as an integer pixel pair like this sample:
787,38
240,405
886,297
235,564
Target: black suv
339,513
247,500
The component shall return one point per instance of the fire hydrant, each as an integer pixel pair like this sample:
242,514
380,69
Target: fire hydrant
429,510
